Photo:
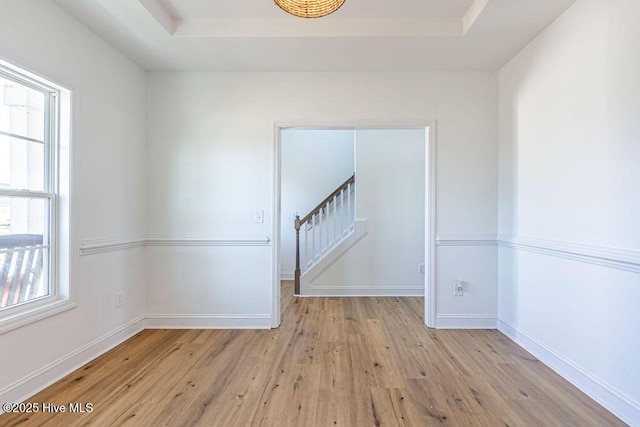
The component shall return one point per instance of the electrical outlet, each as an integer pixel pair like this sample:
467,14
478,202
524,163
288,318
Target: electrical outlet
420,268
458,289
119,299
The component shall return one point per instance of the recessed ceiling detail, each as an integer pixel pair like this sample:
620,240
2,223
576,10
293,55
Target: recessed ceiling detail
421,18
364,35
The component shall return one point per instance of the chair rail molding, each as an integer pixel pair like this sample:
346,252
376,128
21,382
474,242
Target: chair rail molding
110,244
618,258
208,240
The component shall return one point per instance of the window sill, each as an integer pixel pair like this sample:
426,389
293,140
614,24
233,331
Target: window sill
35,314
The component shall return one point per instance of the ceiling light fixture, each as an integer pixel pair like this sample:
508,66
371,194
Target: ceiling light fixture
309,8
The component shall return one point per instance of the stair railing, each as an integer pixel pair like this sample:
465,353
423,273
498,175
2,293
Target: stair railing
331,209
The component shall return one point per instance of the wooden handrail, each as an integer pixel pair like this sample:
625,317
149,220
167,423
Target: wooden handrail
318,208
298,224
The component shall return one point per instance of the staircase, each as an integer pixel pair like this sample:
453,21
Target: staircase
328,224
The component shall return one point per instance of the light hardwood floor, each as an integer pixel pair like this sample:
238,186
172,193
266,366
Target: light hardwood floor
333,362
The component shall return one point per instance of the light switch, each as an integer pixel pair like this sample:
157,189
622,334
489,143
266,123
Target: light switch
259,216
458,289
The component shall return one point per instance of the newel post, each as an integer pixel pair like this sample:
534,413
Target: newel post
297,272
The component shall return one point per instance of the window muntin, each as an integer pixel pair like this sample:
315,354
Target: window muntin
28,125
22,110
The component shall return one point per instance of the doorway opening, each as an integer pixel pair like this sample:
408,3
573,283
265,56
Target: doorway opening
360,240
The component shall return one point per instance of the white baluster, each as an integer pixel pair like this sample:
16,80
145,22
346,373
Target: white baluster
335,219
327,225
313,238
349,206
341,213
320,235
306,244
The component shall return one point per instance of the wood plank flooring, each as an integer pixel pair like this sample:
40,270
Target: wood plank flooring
333,362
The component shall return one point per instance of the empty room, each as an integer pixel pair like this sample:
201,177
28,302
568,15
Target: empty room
320,212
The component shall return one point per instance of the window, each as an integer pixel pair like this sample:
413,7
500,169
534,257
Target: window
29,193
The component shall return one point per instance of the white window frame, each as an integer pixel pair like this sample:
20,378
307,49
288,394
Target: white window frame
56,264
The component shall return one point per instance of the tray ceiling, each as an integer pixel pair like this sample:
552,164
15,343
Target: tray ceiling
363,35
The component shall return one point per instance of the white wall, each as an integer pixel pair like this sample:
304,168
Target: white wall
108,186
569,156
313,164
390,194
211,136
207,166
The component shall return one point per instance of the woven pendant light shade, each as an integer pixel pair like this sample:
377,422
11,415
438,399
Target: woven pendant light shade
309,8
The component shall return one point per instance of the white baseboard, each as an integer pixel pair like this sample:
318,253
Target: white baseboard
363,291
622,406
42,378
208,321
466,321
54,371
287,275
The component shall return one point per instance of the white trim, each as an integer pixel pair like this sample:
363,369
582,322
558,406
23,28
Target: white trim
21,390
53,240
10,192
343,27
207,240
618,258
430,199
466,240
621,405
34,313
354,125
364,291
287,275
466,321
208,321
162,15
98,246
275,250
474,11
359,231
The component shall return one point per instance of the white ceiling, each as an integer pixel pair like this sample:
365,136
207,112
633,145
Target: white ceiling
363,35
243,9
